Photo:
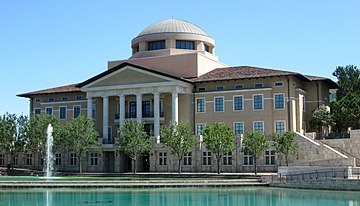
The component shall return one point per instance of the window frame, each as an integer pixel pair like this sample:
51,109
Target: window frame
60,117
227,159
263,126
163,158
197,128
187,159
243,128
249,158
239,86
258,85
206,158
220,88
278,121
242,103
270,158
185,44
278,84
37,109
204,99
283,102
156,45
74,111
52,110
262,102
223,103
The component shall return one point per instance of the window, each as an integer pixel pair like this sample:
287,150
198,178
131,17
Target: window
146,111
248,159
181,44
219,88
239,86
79,98
280,126
257,101
132,109
219,104
37,100
161,108
94,159
258,85
93,111
72,159
37,111
65,99
187,159
238,128
51,99
227,159
279,101
200,105
156,45
162,158
62,113
2,159
206,48
278,84
269,157
202,89
49,110
57,159
238,103
77,111
109,140
200,128
258,126
28,159
206,159
303,98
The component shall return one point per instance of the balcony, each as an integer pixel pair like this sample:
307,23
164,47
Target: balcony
144,115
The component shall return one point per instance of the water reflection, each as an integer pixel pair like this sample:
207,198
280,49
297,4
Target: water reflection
246,196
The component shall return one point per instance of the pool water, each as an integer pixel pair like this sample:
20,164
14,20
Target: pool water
244,196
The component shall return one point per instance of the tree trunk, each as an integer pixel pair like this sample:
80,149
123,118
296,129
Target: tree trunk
287,160
218,164
179,165
80,165
255,164
134,163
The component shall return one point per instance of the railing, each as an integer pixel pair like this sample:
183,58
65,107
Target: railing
144,115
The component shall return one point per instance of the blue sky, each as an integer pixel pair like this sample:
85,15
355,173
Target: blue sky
46,44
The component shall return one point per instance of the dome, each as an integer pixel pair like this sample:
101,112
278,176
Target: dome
172,26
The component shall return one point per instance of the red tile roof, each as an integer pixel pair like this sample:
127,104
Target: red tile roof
244,72
62,89
331,83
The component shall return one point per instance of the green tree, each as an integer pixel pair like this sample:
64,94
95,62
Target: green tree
134,141
179,139
321,120
348,80
255,143
219,139
285,144
80,136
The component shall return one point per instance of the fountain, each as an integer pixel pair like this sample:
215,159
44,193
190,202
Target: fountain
49,155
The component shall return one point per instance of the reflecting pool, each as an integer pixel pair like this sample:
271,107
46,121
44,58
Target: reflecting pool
204,196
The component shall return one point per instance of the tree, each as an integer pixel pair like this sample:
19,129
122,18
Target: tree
179,139
348,80
255,143
79,135
285,144
321,119
134,141
219,139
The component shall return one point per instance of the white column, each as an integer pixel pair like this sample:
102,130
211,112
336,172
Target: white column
157,117
138,107
121,110
105,118
175,107
89,107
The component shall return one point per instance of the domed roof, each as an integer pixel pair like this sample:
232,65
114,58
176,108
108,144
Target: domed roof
172,26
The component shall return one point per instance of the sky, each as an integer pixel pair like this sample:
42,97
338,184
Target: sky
46,44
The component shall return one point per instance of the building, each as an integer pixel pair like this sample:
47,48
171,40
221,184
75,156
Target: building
174,75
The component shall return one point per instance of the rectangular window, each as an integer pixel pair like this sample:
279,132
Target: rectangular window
49,110
278,84
206,159
64,98
28,159
238,103
162,158
202,89
279,101
227,159
93,111
2,159
161,108
258,85
239,86
258,126
303,98
94,159
109,140
200,128
156,45
72,159
62,113
269,157
258,102
37,100
51,99
219,104
248,159
238,128
77,111
219,88
187,159
280,126
181,44
200,105
206,48
146,109
132,109
79,98
37,111
57,159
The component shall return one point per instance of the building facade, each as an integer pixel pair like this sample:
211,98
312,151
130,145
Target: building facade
174,75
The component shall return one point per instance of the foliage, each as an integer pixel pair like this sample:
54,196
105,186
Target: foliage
255,143
80,136
321,119
179,139
219,139
285,144
13,131
348,80
134,141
